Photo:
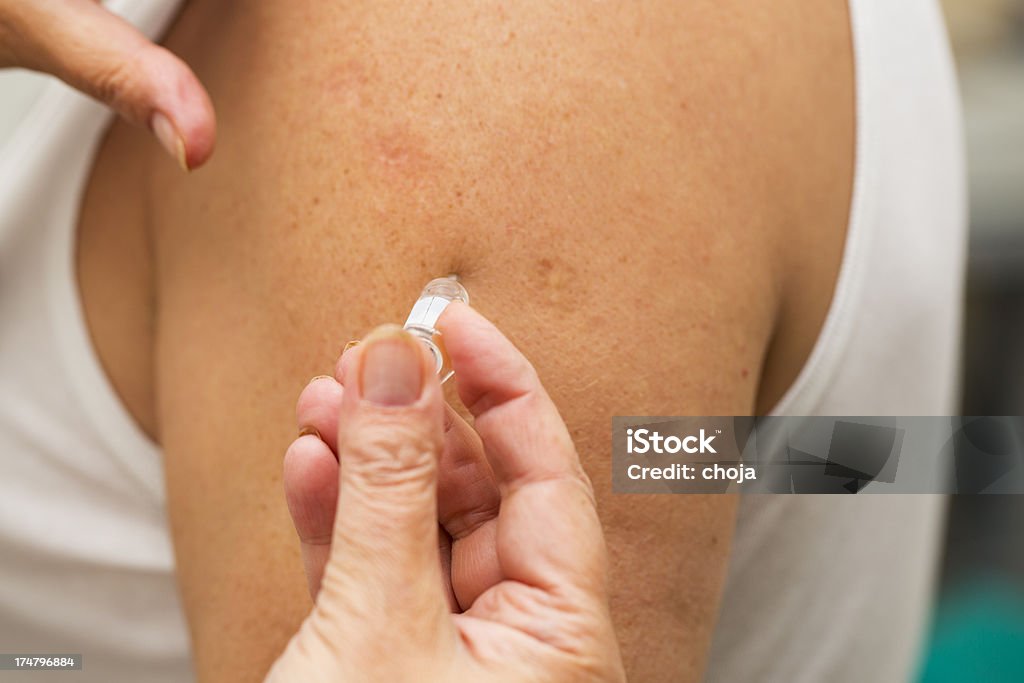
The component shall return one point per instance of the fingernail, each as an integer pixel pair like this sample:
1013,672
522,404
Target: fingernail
392,367
349,345
169,138
320,377
309,431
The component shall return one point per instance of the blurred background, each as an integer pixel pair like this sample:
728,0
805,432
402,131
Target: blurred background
978,630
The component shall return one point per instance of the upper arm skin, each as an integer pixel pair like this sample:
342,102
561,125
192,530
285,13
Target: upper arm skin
611,180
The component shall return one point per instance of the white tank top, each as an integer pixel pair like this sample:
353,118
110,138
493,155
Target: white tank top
819,588
835,588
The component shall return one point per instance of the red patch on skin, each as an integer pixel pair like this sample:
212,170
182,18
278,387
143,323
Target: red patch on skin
345,83
393,150
744,373
399,154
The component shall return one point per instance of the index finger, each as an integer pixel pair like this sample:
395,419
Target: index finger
548,519
513,413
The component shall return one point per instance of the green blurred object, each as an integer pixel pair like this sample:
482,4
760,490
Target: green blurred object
978,634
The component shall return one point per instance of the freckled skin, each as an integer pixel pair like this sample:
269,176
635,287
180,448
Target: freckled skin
594,172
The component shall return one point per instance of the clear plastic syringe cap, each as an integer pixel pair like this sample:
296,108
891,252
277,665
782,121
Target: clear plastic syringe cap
422,320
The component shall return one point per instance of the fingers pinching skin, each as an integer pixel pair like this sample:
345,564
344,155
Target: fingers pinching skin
541,613
468,499
385,540
549,535
97,52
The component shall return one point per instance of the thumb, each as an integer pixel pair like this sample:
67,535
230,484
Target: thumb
104,56
384,561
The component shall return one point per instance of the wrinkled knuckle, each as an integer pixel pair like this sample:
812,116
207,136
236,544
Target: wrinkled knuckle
116,83
394,457
569,621
529,600
411,469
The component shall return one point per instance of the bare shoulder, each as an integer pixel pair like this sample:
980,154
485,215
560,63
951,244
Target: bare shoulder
631,190
621,151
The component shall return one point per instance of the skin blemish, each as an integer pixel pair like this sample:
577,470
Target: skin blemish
399,154
557,279
345,85
393,151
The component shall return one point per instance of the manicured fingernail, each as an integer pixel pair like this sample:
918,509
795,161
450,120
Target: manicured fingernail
391,372
309,431
169,138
